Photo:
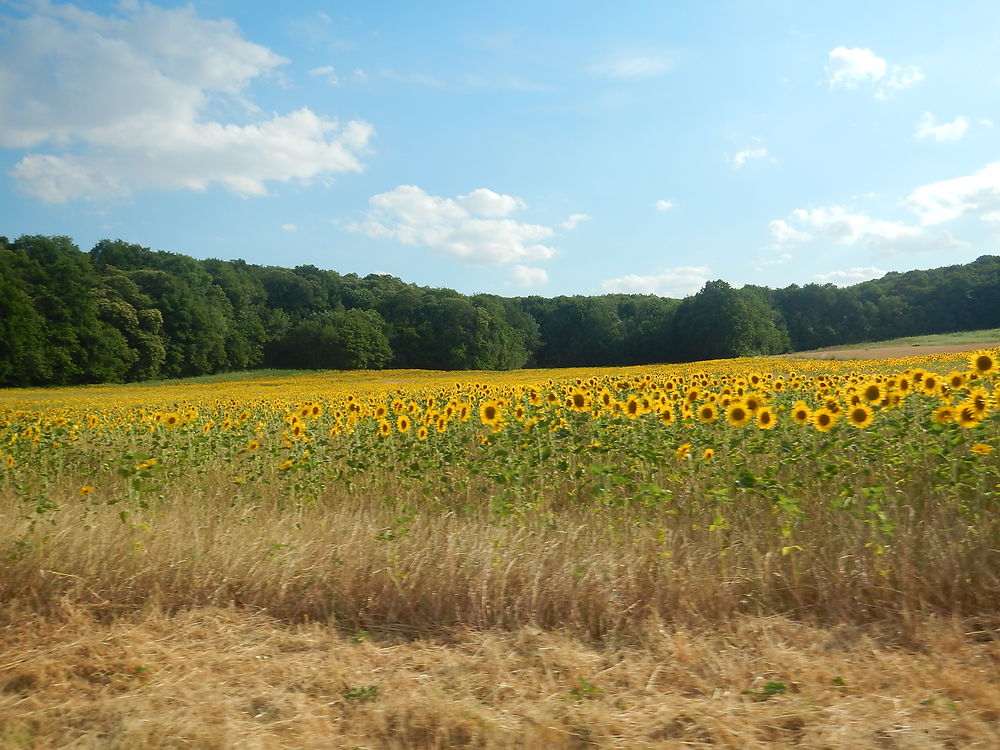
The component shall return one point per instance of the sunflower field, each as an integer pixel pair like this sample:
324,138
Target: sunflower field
588,499
743,553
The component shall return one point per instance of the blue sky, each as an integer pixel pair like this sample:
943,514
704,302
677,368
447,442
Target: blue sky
515,148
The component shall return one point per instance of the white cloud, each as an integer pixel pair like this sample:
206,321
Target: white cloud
846,278
118,103
680,281
634,66
528,276
473,228
899,78
327,72
850,67
785,234
487,203
977,194
946,131
664,205
750,154
833,224
290,227
574,221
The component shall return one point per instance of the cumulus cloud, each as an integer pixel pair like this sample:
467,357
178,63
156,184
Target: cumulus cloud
475,228
116,103
853,276
852,67
835,225
946,131
574,221
664,205
528,276
627,66
680,281
976,194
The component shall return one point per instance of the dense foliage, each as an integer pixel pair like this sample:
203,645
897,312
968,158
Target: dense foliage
123,312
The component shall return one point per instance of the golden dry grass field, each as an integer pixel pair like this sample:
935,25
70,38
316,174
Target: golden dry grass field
742,553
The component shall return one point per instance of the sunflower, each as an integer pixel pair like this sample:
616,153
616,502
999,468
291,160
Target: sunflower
667,415
708,454
253,445
860,416
737,415
956,380
872,392
983,362
766,418
930,385
980,449
753,401
967,416
578,401
633,407
707,413
980,399
801,413
683,450
403,423
823,419
490,413
422,432
944,414
286,465
384,428
87,488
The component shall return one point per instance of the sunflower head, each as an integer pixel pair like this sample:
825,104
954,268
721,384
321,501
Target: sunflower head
738,414
860,416
766,418
801,413
823,419
983,362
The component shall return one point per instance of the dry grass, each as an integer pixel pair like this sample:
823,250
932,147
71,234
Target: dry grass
230,678
359,560
216,624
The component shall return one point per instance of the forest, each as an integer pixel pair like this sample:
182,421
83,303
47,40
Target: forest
122,312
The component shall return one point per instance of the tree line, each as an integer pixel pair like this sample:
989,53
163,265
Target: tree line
123,312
